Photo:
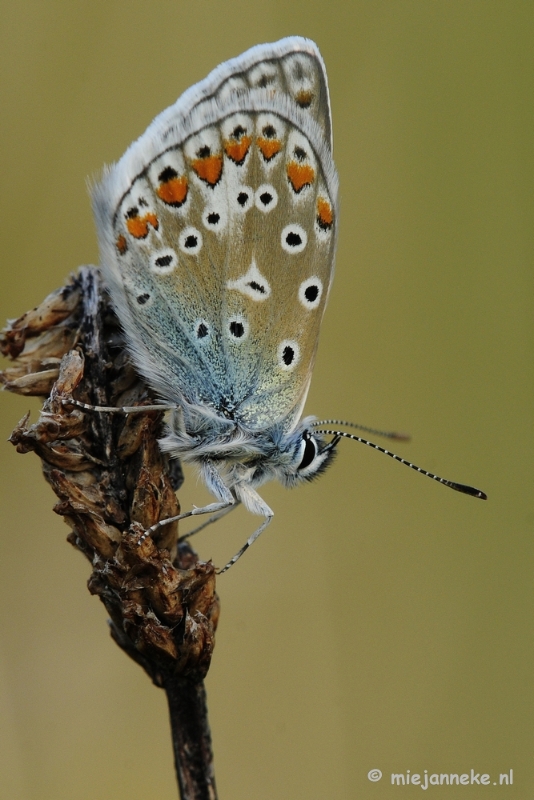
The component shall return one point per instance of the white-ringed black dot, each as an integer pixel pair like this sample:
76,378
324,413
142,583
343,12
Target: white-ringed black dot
190,241
164,261
242,198
253,284
310,292
294,238
238,132
214,217
143,202
237,329
266,198
269,132
132,213
299,153
204,151
288,355
202,330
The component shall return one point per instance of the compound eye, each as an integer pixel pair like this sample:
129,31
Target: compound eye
308,450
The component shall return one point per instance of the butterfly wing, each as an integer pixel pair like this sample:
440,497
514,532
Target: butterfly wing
217,231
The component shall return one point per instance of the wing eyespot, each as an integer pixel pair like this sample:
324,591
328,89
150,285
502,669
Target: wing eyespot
252,283
310,292
244,199
288,355
202,330
190,241
162,262
238,328
294,238
266,198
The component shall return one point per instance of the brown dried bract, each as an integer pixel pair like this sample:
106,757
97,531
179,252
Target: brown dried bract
111,478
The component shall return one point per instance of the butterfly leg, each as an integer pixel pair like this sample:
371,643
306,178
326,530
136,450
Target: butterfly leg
216,486
254,503
70,401
219,515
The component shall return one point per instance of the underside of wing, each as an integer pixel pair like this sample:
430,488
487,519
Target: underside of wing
218,232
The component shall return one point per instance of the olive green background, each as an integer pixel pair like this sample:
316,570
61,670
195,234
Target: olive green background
383,621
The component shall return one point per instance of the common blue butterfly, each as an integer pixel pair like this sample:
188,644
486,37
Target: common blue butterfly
217,232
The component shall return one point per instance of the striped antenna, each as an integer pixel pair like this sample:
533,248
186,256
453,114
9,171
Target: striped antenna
458,487
399,437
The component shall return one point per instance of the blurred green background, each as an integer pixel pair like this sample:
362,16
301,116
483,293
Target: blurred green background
383,622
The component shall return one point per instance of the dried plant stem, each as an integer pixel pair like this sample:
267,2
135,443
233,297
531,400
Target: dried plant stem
190,734
113,483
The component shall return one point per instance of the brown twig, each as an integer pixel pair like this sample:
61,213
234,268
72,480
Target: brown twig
112,483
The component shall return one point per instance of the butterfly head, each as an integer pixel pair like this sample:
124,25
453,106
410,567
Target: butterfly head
304,455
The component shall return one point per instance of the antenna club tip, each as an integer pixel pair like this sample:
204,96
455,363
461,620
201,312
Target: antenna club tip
472,492
400,437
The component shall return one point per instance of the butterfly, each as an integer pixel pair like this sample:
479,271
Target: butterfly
217,232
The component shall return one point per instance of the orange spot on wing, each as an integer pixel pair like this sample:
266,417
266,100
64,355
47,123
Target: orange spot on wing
325,215
138,226
121,244
236,149
269,147
174,191
300,175
209,168
304,98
